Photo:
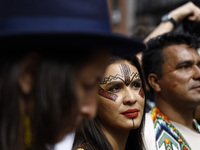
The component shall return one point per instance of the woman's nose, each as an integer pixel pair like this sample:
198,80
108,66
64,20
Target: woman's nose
129,96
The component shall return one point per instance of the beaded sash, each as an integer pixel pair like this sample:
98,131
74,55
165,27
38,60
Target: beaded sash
167,136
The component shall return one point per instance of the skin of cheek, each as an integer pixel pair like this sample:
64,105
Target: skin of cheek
141,101
108,114
175,84
171,70
107,94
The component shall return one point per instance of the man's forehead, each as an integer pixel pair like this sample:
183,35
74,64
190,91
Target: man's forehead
181,52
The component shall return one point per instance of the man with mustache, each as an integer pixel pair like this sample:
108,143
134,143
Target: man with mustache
172,70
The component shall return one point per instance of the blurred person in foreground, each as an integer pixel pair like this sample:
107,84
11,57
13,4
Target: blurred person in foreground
171,66
119,121
53,55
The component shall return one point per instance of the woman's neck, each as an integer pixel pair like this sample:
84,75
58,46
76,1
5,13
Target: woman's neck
117,138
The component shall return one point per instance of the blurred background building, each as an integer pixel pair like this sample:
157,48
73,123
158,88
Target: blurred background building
122,15
140,17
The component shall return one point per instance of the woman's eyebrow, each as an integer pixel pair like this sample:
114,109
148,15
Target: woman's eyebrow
114,83
122,82
119,78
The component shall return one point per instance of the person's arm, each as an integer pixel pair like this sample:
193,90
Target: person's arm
187,10
178,14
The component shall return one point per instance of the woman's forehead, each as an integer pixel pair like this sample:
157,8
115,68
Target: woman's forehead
120,68
123,71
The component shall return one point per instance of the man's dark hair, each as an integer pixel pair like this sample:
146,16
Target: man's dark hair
153,57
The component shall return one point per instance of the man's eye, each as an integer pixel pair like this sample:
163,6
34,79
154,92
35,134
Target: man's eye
184,67
114,88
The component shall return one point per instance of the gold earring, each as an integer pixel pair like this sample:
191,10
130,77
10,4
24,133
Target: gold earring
27,132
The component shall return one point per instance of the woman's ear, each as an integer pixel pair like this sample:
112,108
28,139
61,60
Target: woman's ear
28,69
153,81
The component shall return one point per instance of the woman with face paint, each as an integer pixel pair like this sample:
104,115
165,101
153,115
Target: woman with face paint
120,116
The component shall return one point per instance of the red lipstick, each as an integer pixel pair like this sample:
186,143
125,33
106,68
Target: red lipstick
131,113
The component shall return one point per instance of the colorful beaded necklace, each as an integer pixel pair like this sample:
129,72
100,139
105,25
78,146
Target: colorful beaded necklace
167,134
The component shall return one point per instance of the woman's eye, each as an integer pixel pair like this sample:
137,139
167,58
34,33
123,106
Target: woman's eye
114,89
136,85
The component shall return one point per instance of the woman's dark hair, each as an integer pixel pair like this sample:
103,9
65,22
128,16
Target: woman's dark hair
153,57
91,136
10,115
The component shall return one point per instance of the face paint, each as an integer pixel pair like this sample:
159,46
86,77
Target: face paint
175,85
125,72
126,75
107,94
141,92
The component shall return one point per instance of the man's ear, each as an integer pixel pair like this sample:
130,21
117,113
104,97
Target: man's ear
26,82
28,69
153,81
